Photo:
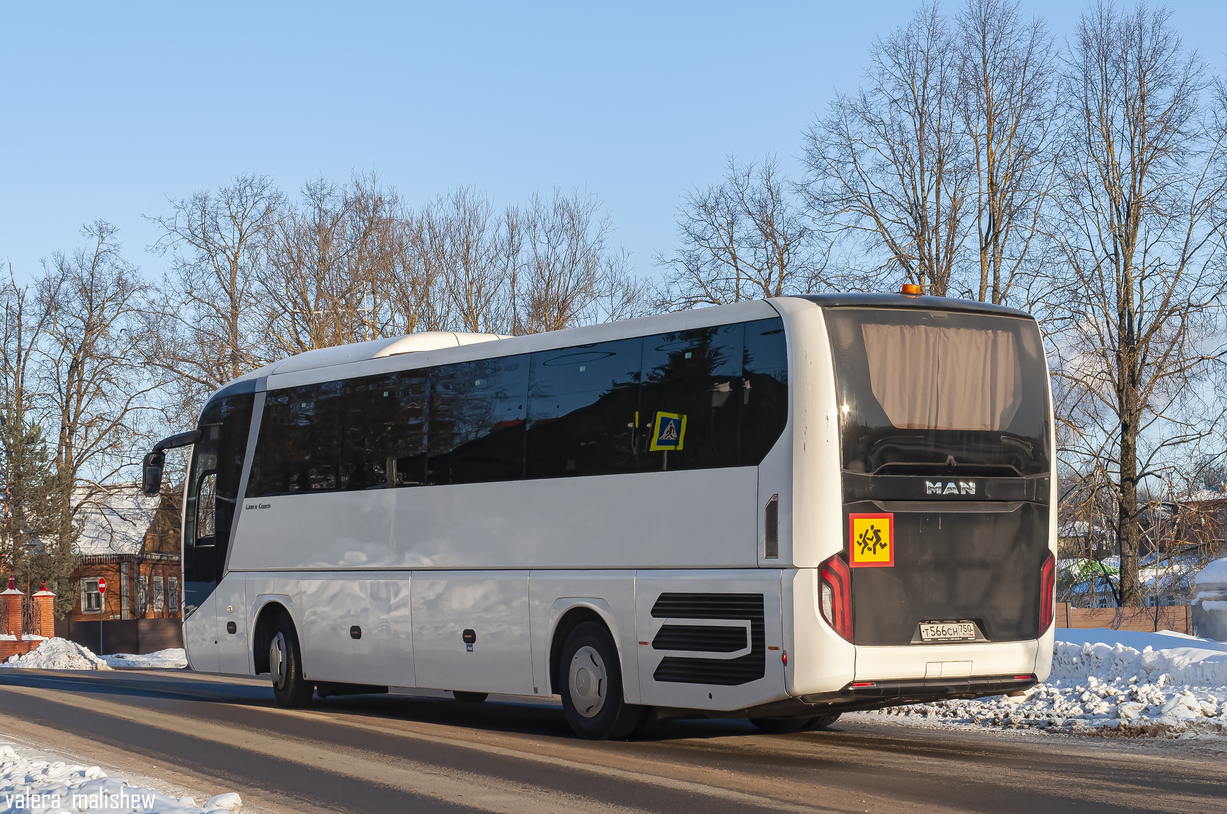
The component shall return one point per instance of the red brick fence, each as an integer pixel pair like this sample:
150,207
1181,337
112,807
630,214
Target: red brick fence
25,621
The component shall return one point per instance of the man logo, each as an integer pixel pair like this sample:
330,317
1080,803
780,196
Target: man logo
963,487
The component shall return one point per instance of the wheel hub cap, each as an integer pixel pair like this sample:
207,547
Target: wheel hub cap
588,681
276,660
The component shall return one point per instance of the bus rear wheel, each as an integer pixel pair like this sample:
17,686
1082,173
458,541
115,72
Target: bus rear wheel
285,663
824,721
591,678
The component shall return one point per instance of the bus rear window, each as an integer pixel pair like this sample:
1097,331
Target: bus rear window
927,377
924,389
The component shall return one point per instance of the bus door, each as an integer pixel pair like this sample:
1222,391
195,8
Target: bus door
212,500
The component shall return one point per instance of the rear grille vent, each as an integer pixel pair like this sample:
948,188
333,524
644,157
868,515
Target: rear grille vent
703,638
733,608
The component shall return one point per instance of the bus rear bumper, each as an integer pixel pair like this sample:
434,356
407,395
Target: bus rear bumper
858,695
878,694
952,664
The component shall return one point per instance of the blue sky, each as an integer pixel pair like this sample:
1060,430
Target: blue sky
107,110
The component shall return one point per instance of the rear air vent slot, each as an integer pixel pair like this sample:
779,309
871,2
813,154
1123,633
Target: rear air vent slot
736,609
771,529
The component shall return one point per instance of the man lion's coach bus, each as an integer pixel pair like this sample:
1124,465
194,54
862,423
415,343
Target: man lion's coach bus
776,510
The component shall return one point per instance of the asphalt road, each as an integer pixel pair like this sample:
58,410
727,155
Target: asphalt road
415,753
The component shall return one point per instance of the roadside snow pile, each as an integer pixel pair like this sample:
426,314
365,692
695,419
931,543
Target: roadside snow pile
171,659
29,785
58,654
1142,684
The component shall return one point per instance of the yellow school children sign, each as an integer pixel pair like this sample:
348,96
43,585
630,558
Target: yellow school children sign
871,540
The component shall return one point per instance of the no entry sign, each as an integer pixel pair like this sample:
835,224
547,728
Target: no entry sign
102,585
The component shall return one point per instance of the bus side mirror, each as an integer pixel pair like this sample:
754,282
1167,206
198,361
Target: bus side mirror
151,473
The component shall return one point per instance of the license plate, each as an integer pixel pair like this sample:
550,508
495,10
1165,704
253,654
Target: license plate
947,632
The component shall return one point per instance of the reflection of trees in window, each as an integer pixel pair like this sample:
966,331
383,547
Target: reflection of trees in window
582,407
477,421
206,507
693,374
384,431
764,389
303,439
590,410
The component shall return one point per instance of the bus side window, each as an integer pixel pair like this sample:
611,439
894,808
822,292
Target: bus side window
384,431
688,417
581,410
764,389
476,425
300,442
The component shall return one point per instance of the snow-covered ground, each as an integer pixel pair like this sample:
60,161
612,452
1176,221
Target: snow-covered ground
1106,682
32,784
172,659
61,654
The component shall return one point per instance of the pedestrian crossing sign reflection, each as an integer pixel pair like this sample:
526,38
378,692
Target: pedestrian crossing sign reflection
670,431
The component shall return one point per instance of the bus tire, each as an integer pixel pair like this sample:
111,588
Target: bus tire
590,676
824,721
290,687
470,697
784,726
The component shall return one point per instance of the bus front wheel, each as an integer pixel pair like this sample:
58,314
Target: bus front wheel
285,663
591,679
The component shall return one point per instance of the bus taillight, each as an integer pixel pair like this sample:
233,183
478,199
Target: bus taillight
1048,578
835,596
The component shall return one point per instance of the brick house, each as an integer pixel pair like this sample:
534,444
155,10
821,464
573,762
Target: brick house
133,541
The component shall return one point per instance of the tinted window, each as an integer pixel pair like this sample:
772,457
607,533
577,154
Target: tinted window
217,467
477,412
764,389
581,410
927,391
300,444
704,398
384,431
688,411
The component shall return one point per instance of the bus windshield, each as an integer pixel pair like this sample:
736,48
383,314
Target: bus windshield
922,389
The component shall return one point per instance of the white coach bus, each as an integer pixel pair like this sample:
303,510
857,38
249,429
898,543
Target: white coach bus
776,510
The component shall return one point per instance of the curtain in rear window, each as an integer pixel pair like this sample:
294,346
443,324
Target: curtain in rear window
928,377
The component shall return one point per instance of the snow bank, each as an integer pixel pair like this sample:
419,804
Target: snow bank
30,786
1108,681
172,659
1213,574
58,654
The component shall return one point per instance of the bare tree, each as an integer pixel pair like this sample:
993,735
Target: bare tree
415,296
310,297
474,250
1007,107
1142,211
33,490
888,166
93,381
373,231
565,241
205,318
743,238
